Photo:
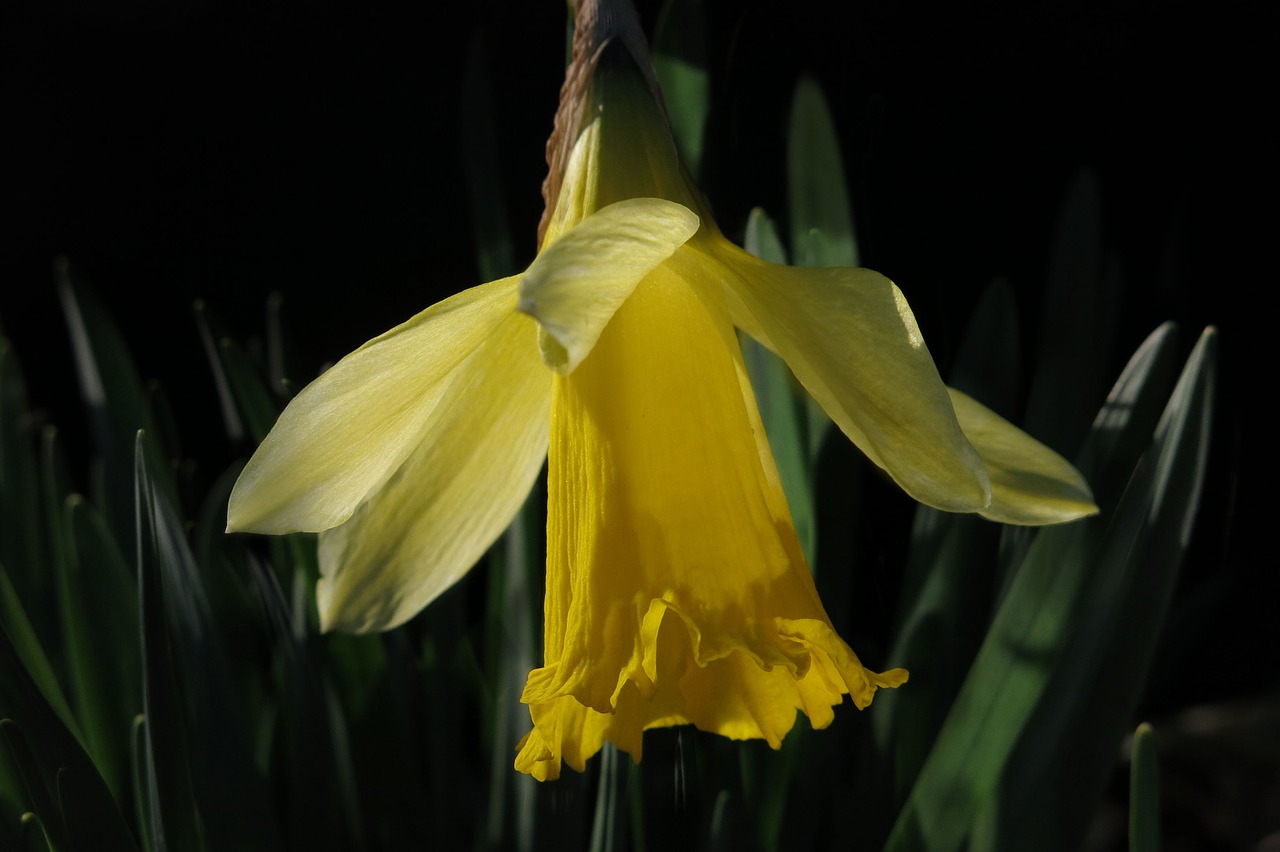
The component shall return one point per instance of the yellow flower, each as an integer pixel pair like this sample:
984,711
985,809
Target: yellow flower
677,592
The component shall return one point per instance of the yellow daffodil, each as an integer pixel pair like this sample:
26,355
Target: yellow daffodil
677,592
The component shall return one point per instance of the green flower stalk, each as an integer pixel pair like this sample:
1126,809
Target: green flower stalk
677,592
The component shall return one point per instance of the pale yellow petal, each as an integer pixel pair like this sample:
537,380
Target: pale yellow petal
1030,483
577,283
349,430
446,504
851,339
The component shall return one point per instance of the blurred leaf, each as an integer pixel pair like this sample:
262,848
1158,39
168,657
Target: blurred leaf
478,141
822,231
1093,695
35,792
231,421
35,837
60,551
92,819
1144,792
204,764
45,755
344,774
1133,409
100,624
1072,368
246,401
254,401
280,364
167,798
1053,626
143,786
310,733
762,239
13,797
1077,324
513,643
22,546
225,563
1119,434
986,364
940,631
27,649
115,399
442,650
607,826
680,62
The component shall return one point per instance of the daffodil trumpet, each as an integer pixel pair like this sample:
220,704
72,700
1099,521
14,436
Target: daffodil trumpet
676,591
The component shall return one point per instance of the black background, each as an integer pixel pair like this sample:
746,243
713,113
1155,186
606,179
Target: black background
223,151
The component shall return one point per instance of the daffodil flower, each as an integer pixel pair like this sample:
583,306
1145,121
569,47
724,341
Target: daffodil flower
677,592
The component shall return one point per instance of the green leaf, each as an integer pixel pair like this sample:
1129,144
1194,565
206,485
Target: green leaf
231,420
607,827
514,584
13,796
114,396
1058,624
22,545
30,654
986,364
822,232
143,783
762,239
1089,705
35,837
1144,792
680,62
947,605
308,734
480,167
167,797
190,696
280,365
1126,610
35,791
254,400
1081,292
1132,411
43,753
100,624
92,818
246,402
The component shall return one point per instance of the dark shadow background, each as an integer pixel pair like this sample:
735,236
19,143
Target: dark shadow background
224,150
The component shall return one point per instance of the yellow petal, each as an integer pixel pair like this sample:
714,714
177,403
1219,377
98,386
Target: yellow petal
349,430
1030,483
441,510
677,592
734,697
851,339
575,285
